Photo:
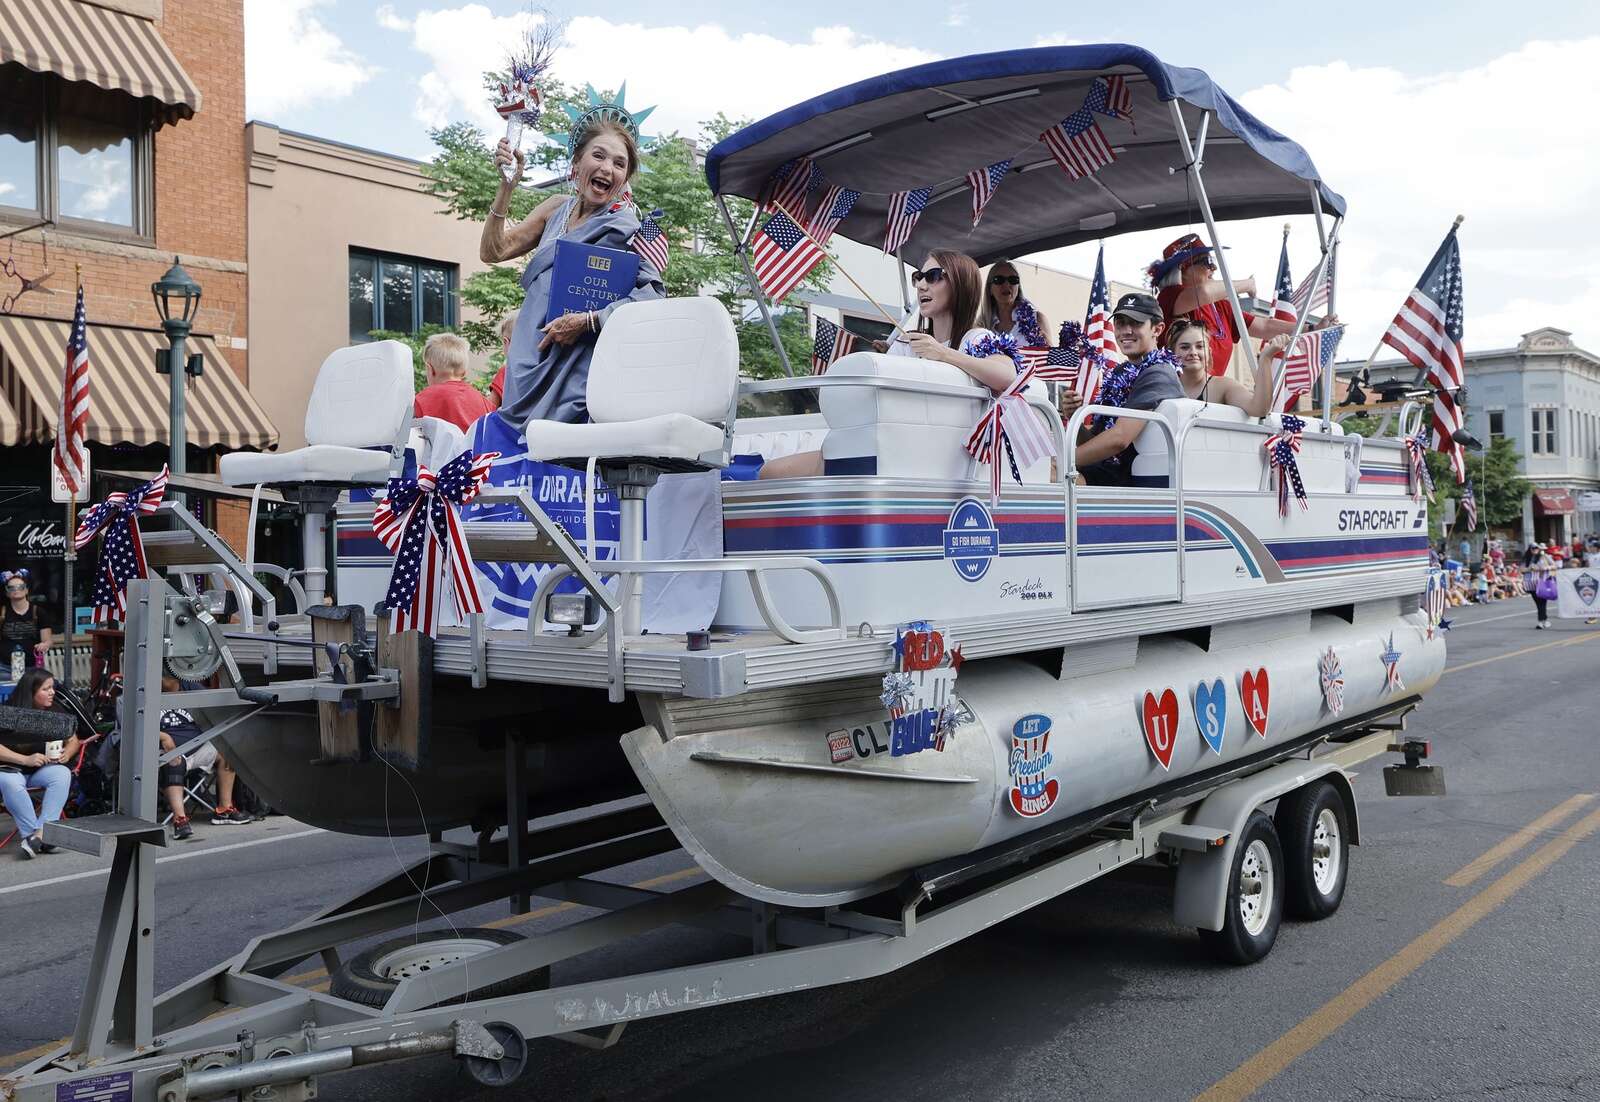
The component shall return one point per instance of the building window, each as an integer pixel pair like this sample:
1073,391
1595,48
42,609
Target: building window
1544,432
73,154
400,294
1497,423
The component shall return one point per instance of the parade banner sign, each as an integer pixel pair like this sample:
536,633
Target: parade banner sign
1578,592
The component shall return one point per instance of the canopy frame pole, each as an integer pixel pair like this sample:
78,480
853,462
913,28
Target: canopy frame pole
740,247
1193,166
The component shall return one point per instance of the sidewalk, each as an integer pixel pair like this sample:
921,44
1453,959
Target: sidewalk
17,875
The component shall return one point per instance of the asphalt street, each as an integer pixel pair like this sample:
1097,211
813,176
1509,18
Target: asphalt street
1464,964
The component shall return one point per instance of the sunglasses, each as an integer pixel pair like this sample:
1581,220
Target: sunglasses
18,588
930,277
995,281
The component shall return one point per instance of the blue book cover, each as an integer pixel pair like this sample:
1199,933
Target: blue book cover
589,277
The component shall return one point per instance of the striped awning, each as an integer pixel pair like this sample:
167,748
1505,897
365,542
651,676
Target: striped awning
10,427
81,41
127,399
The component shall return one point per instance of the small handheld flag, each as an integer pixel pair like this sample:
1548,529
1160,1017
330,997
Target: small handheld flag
650,241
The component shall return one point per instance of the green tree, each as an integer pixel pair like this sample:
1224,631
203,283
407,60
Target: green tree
463,176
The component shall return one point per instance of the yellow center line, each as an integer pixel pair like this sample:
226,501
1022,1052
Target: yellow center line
1525,650
1265,1065
1551,819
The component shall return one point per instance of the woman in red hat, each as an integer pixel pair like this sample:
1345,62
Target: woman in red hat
1185,288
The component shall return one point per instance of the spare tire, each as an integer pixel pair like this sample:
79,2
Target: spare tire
371,978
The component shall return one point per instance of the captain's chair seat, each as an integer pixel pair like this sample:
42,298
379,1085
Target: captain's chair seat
360,409
661,382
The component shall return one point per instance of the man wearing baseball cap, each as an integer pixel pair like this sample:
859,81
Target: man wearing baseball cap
1148,378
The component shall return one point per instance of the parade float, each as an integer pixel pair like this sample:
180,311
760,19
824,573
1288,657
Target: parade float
937,686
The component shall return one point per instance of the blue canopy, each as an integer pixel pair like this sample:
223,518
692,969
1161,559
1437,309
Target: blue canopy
930,125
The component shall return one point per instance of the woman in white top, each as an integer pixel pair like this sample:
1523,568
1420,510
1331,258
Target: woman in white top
1542,567
948,295
1188,341
1007,311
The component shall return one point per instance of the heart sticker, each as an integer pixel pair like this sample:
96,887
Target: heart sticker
1211,712
1256,696
1160,719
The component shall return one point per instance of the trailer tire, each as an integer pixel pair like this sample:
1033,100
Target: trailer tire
1254,908
1314,825
371,978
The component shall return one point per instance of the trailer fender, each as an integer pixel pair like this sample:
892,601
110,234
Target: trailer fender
1202,888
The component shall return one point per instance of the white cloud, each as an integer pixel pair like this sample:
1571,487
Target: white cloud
292,58
1408,153
956,16
390,20
1058,40
690,72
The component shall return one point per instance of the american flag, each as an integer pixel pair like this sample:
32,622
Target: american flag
783,255
1078,144
1306,362
905,207
792,184
837,203
419,523
1111,96
1064,364
1427,331
1283,309
72,426
121,551
985,181
831,342
1469,503
650,241
1309,300
1097,328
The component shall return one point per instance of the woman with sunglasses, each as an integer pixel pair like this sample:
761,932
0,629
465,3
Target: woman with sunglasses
23,626
949,293
1007,310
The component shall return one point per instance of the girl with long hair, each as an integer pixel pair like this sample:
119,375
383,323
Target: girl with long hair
1190,344
1007,311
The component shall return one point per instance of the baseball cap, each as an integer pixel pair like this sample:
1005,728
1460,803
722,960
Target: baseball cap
1137,305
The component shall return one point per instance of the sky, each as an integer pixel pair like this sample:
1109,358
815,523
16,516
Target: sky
1413,112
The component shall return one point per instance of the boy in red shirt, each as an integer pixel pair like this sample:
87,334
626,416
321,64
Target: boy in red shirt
448,396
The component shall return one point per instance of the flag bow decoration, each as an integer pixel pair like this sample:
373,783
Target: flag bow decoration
116,521
1416,451
419,522
1281,448
1008,424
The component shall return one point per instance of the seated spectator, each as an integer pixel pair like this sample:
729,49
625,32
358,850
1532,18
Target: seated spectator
1105,452
39,766
1007,311
497,389
448,396
24,624
178,726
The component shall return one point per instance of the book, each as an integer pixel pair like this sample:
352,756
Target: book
589,277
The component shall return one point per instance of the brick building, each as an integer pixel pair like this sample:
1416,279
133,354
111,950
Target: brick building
122,146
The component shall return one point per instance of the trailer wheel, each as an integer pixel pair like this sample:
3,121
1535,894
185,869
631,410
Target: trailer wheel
371,978
1255,896
1314,825
506,1070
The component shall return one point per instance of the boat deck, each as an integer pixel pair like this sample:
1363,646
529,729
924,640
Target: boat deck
746,661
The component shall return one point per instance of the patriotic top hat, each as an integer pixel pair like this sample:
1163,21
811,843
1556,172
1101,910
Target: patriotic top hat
1176,255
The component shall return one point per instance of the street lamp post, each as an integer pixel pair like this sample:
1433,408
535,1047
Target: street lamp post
177,300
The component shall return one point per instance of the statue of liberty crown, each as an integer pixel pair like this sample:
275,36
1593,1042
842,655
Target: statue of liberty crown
599,108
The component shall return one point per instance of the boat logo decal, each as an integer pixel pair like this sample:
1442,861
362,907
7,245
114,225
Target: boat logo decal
1033,789
1160,720
919,693
1211,712
1332,672
1255,695
971,540
1587,587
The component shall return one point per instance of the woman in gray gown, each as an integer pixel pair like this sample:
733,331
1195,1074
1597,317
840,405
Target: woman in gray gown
547,367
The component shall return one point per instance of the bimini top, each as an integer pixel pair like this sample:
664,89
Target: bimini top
929,126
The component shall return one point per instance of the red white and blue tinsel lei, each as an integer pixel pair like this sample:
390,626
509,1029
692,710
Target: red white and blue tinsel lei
116,521
419,522
1025,320
1119,380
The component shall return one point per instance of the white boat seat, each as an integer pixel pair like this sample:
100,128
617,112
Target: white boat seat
774,437
663,376
360,405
